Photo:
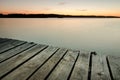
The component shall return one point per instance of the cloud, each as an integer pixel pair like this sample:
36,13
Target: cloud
82,10
62,3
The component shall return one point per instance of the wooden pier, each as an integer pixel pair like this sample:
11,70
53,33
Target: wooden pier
21,60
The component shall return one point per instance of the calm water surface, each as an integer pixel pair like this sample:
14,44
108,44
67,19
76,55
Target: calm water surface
100,35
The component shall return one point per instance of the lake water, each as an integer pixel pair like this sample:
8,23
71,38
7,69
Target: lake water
85,34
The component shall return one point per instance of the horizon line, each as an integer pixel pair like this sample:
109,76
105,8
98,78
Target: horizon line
55,14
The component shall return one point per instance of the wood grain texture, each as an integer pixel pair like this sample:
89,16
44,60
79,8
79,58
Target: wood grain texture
23,72
99,68
11,46
80,71
19,59
62,70
15,51
114,62
48,66
8,42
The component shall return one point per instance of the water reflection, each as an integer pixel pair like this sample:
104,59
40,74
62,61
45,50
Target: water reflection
101,35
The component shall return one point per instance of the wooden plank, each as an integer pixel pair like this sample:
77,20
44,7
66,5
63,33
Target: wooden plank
15,51
63,69
80,71
29,67
114,63
105,67
48,66
19,59
3,40
11,46
8,42
99,68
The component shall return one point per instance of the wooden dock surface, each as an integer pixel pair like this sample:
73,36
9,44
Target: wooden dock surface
21,60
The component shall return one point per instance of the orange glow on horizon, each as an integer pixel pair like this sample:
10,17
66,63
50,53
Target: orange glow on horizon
67,12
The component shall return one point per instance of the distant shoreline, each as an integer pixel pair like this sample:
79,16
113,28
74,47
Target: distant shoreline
52,16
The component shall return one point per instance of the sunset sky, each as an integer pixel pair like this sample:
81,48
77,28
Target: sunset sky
72,7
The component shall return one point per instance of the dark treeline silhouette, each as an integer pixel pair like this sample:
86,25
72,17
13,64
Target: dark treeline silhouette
52,16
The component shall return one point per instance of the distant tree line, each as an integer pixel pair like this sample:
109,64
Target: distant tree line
52,16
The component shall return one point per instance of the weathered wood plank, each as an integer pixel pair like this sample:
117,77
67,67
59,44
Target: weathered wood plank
11,46
80,71
105,67
15,51
8,42
19,59
48,66
100,69
114,63
62,70
29,67
3,40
